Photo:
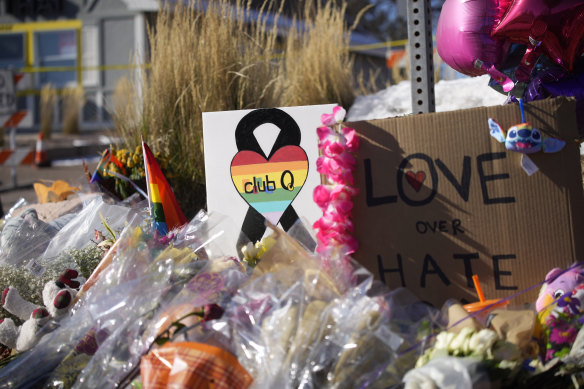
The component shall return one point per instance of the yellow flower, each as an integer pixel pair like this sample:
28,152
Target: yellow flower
131,163
136,158
138,149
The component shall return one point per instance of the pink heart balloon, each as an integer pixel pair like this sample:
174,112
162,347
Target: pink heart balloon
464,41
553,28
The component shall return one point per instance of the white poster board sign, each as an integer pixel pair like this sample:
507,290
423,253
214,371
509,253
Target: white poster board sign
261,165
7,96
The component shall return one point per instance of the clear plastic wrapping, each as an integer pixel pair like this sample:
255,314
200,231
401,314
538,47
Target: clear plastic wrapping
178,310
24,238
148,284
79,232
293,326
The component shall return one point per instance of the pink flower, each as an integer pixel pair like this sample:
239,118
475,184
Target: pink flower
345,177
346,160
323,132
334,229
564,333
336,117
332,215
327,166
342,192
332,149
549,355
335,165
321,196
351,138
344,206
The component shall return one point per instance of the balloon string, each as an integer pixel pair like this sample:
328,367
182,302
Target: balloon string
124,178
522,110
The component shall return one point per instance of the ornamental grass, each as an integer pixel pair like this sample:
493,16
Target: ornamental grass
48,102
216,60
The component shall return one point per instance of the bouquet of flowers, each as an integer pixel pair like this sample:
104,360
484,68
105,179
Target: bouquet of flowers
121,171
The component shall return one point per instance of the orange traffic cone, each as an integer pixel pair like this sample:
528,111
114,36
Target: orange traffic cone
40,158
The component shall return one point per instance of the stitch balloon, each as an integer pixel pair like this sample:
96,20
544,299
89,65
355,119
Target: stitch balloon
463,38
554,28
524,139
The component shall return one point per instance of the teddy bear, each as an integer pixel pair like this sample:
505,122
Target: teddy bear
58,297
559,282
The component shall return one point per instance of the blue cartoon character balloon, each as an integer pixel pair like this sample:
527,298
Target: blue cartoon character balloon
525,139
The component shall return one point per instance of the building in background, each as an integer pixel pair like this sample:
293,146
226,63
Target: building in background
67,43
94,43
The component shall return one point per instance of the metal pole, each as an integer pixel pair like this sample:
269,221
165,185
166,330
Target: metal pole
421,56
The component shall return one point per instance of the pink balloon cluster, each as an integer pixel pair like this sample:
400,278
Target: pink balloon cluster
474,36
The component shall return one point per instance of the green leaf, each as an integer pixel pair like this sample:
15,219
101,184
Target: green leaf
161,340
108,228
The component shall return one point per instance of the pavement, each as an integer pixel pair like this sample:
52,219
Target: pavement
66,153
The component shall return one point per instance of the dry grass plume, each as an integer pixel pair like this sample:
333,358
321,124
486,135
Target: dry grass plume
216,60
47,109
73,100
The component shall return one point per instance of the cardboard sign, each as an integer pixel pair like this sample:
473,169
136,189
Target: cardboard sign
261,165
441,200
7,96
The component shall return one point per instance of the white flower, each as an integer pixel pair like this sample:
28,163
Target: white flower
443,339
249,251
481,342
460,344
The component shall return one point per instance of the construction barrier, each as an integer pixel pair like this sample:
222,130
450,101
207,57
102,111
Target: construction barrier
16,157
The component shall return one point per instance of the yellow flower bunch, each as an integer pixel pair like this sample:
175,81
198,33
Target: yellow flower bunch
253,253
130,163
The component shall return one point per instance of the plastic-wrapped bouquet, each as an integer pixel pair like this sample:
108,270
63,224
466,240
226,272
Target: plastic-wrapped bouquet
292,325
121,171
148,284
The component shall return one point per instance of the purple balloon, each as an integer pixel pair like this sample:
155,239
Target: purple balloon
535,89
463,38
568,86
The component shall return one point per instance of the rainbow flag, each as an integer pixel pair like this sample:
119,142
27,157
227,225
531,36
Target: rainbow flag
101,169
164,208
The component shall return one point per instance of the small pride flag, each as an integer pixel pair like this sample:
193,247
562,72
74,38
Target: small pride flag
101,169
164,208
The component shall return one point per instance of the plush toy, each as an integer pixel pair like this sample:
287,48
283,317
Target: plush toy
558,284
58,297
525,139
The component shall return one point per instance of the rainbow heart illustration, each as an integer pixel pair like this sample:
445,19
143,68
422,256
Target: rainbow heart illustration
416,179
270,186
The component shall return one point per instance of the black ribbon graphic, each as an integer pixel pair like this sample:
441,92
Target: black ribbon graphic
254,226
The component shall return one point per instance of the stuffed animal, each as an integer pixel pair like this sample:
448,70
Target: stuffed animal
525,139
58,297
558,284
